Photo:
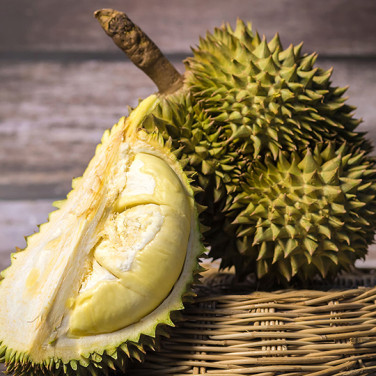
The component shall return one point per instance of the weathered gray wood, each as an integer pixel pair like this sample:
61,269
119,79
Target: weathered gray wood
53,114
334,27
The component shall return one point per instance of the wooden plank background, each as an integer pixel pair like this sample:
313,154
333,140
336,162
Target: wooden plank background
63,82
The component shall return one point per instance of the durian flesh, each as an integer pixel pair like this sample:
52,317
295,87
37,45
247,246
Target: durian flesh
111,264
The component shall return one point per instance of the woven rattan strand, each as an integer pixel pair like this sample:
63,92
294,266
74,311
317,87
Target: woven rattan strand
230,330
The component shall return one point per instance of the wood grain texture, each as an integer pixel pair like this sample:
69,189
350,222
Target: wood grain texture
336,27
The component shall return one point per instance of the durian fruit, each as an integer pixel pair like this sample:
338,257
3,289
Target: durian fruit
244,103
111,268
308,212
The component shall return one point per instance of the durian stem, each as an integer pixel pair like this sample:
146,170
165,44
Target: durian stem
140,49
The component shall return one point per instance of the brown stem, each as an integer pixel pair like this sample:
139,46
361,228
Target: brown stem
140,49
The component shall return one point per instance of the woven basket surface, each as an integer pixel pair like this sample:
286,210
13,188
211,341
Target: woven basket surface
230,330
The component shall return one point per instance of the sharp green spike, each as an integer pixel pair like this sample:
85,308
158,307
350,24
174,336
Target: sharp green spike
240,28
295,266
263,251
307,76
332,192
265,79
287,95
262,236
343,237
267,64
288,56
356,204
278,253
262,268
325,231
308,61
308,164
320,265
330,177
275,231
356,159
291,230
290,246
333,164
285,269
275,44
335,222
289,74
323,79
338,208
358,173
332,257
273,146
262,50
297,49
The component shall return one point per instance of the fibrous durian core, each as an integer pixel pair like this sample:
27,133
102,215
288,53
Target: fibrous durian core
113,262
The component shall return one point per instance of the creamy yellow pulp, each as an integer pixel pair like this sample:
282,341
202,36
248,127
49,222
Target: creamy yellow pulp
140,253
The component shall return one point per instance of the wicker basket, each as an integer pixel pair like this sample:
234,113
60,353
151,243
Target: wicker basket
232,331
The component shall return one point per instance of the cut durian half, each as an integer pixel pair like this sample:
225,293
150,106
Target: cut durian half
111,264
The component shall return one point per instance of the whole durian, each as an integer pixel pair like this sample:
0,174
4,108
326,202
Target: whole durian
111,268
285,179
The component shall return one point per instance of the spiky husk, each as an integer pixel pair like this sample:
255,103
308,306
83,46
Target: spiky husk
306,215
114,357
243,102
277,97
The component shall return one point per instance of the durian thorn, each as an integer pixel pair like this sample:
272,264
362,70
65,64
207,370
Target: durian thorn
140,49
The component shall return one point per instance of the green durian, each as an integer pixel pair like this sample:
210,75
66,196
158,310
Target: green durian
244,103
111,268
306,213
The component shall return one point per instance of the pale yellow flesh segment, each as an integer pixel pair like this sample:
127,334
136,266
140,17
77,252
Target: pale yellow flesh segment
139,288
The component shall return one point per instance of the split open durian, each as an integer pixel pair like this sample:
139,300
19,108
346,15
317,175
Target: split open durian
110,267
